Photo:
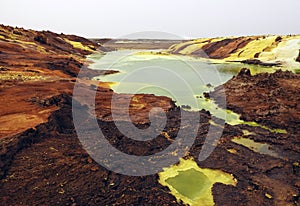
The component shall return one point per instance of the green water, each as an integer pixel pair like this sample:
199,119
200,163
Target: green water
258,147
166,74
182,78
190,183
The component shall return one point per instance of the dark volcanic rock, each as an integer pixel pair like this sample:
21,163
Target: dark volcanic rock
48,166
270,99
41,39
258,62
298,59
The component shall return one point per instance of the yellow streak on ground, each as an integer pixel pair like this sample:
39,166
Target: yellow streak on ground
166,135
193,45
198,45
253,47
79,45
286,51
20,76
27,44
136,103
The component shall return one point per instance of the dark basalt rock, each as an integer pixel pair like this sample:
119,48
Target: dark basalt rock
244,72
258,62
41,39
298,59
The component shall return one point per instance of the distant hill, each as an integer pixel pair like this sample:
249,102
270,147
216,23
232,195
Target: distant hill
42,52
269,50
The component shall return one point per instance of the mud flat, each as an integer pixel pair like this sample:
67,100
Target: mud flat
147,44
43,162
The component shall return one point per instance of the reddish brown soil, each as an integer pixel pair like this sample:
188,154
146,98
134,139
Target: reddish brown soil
36,65
55,169
222,49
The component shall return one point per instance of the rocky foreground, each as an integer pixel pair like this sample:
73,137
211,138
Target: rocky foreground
43,163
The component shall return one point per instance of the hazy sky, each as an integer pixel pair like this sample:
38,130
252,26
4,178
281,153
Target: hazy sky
188,18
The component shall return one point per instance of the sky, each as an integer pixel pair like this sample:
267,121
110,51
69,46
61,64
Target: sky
178,18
